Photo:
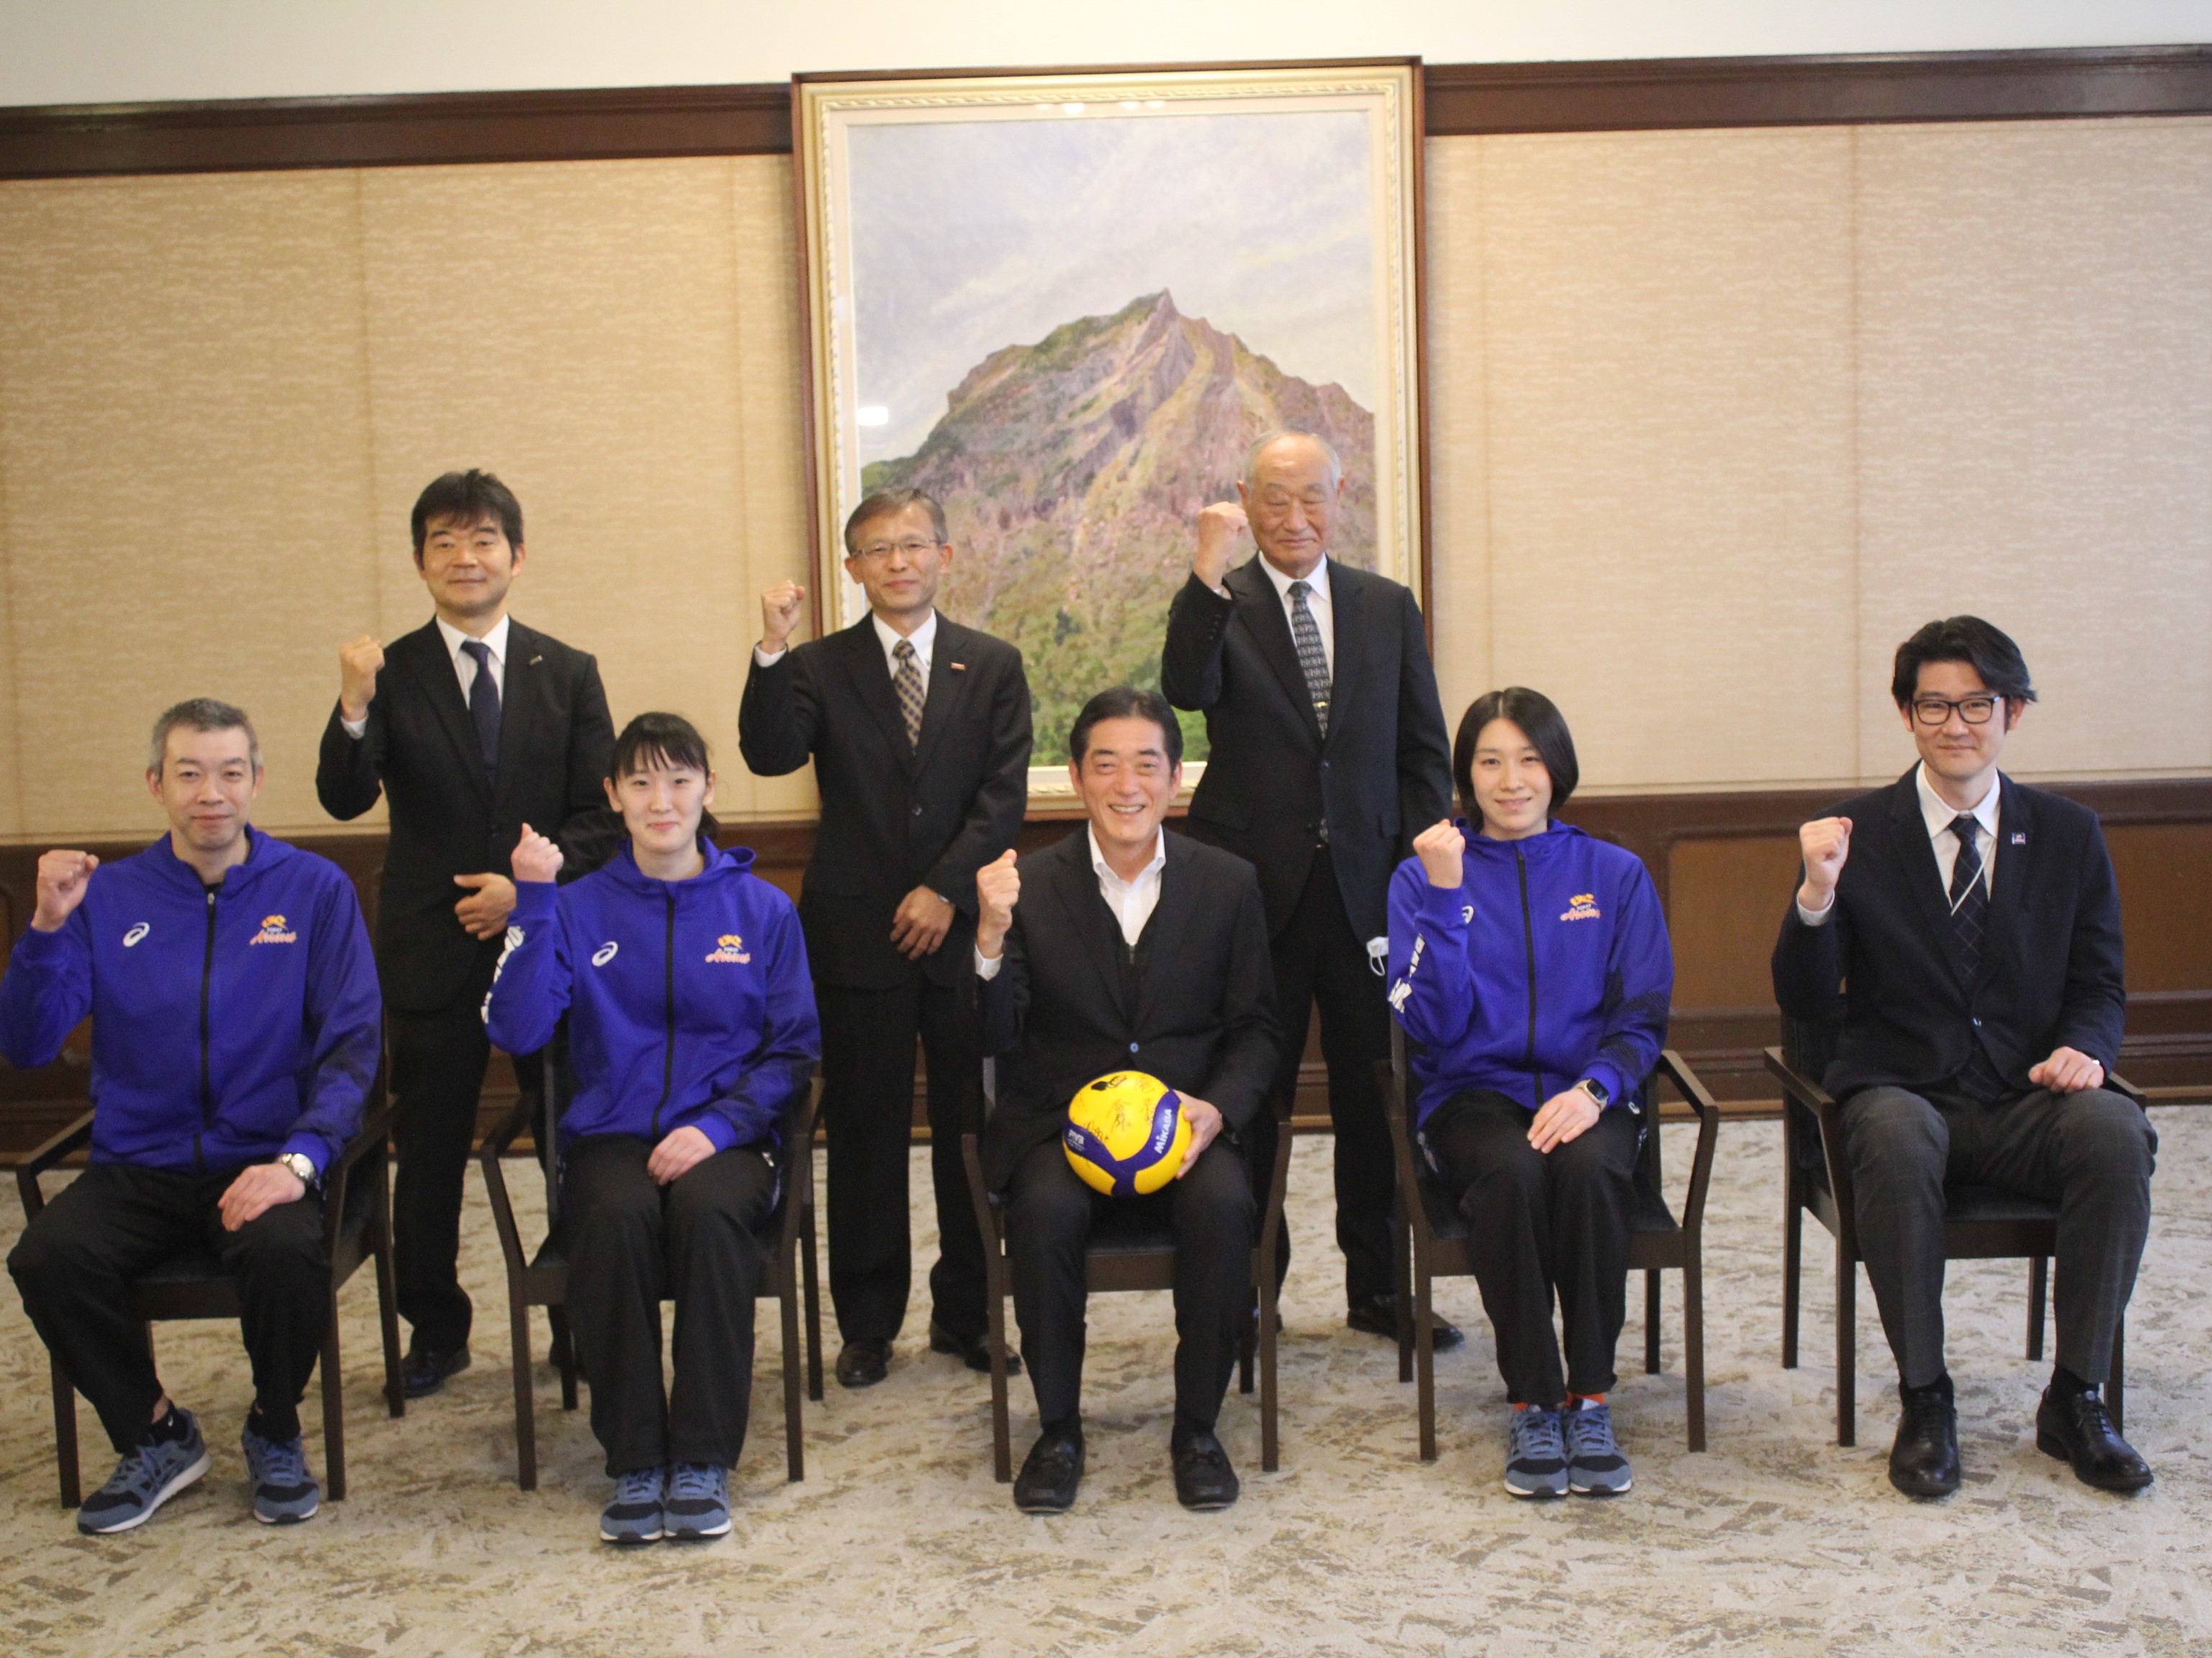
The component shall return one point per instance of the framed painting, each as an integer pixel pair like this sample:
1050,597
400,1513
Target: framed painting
1065,304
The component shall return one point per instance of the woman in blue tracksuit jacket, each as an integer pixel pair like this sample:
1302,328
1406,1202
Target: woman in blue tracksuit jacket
1530,969
691,1030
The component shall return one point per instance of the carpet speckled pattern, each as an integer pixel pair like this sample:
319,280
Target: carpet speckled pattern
899,1541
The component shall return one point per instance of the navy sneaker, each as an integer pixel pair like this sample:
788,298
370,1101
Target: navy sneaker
1536,1456
634,1515
697,1506
284,1492
144,1480
1595,1466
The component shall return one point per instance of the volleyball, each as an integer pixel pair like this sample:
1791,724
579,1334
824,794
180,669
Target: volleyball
1125,1135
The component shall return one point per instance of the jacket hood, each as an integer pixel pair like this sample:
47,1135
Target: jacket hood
263,854
721,865
1553,843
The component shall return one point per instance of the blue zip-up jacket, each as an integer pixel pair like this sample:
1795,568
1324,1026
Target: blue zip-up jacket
688,1002
1549,962
229,1025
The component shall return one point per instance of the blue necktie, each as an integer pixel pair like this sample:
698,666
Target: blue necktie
1970,911
483,705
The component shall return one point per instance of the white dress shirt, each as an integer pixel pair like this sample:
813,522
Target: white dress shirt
923,639
1317,604
465,666
1937,814
1131,901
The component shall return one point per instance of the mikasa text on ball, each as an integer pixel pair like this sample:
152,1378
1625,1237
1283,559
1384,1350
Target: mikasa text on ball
1125,1135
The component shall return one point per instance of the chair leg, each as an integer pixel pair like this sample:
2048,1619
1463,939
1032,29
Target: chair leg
1425,1362
1246,1345
387,1314
807,1271
2038,1291
1650,1322
65,1452
333,1405
794,1452
1401,1250
1694,1344
1793,1273
563,1353
1270,1438
2115,1385
526,1402
995,1274
1847,1346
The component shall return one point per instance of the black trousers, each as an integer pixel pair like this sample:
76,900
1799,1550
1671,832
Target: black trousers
438,1061
74,1266
1050,1215
867,1104
1541,1223
1318,958
2091,1152
633,1243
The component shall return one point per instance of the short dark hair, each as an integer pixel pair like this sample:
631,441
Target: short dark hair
1540,722
1127,703
894,500
201,713
662,739
1988,650
471,496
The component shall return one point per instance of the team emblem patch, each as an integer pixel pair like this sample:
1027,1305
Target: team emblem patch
729,947
1583,907
274,931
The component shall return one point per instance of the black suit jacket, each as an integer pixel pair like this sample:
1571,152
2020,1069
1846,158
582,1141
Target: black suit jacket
1060,1012
447,819
894,816
1383,775
1888,960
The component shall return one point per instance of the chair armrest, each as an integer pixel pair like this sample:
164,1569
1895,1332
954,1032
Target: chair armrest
799,1156
979,1193
36,1163
1688,1084
373,1135
1802,1089
502,1207
1390,1081
2127,1089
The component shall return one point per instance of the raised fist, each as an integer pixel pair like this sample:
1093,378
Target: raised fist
536,858
780,608
1221,527
998,890
1442,849
1825,843
63,879
360,661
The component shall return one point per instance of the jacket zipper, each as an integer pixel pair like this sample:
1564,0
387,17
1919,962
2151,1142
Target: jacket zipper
668,986
1528,939
207,1084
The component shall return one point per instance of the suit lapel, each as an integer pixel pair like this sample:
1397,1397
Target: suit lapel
433,670
1916,853
1074,886
2009,873
947,684
864,660
1348,605
525,661
1170,918
1261,607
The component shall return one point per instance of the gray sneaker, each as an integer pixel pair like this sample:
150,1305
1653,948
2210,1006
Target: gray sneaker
697,1506
144,1480
1536,1457
634,1515
1595,1466
284,1492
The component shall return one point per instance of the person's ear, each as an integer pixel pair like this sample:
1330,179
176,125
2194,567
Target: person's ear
614,800
1075,775
706,794
1243,495
1904,712
154,781
255,793
2014,708
514,568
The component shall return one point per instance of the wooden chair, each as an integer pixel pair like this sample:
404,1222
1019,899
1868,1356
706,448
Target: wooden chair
357,1229
542,1279
1132,1257
1429,1221
1980,1223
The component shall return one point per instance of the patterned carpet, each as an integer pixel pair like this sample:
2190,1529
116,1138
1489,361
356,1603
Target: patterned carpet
899,1541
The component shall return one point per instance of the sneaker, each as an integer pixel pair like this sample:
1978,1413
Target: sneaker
698,1502
144,1479
634,1515
1536,1457
1595,1466
284,1492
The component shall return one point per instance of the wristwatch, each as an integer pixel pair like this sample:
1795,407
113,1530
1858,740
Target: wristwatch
1596,1090
304,1166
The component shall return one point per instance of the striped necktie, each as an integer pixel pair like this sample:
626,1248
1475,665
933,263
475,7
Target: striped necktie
906,683
1312,660
1970,914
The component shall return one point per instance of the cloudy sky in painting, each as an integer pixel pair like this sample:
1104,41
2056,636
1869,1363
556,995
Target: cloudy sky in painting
973,236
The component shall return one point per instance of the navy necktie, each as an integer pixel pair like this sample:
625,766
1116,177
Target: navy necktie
1969,912
483,705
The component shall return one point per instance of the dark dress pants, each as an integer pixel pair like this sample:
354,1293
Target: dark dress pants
867,1105
633,1243
1051,1216
1541,1223
2091,1153
74,1266
1319,959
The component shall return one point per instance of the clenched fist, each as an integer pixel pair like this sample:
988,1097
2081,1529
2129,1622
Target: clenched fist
1220,528
536,858
780,608
63,877
998,890
1442,851
1825,843
360,661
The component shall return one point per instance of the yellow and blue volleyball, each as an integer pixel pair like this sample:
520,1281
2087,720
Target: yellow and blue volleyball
1125,1135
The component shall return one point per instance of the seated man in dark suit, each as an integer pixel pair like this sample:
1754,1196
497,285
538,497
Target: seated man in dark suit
1133,950
1968,929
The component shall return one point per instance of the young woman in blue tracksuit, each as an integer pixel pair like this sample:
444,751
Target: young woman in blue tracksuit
692,1028
1531,967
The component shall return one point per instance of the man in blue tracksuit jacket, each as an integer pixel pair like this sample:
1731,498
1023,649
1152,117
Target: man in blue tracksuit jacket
236,1025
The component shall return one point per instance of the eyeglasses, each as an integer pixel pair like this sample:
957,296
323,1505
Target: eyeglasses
913,547
1938,710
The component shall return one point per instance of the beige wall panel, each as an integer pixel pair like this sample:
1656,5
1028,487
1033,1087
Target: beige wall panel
2036,354
181,433
1667,352
1459,496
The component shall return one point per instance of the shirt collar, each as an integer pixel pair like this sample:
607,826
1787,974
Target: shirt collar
1105,870
1318,581
494,642
1938,813
924,637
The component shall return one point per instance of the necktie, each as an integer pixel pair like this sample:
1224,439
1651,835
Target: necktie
483,704
1312,660
907,682
1970,911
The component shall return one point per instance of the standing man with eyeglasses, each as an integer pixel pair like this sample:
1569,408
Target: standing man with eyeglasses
1967,930
919,729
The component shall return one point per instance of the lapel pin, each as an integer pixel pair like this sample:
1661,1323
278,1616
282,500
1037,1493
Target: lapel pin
2019,839
535,660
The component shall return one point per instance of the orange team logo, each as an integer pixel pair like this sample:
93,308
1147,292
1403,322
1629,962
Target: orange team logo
1583,907
274,931
729,947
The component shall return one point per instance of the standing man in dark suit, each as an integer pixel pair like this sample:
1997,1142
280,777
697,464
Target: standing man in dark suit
1133,950
1967,928
1329,754
474,725
919,729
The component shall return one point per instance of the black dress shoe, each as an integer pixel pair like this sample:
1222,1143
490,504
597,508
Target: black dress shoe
864,1362
974,1352
1049,1475
2075,1427
1203,1478
424,1370
1378,1316
1924,1460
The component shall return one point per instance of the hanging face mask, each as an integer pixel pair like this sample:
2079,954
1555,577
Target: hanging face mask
1378,957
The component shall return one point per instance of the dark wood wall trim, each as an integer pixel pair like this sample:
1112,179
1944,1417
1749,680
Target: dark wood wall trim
249,134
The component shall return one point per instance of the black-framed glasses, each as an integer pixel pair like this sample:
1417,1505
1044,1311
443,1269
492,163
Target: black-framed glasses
913,547
1938,710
